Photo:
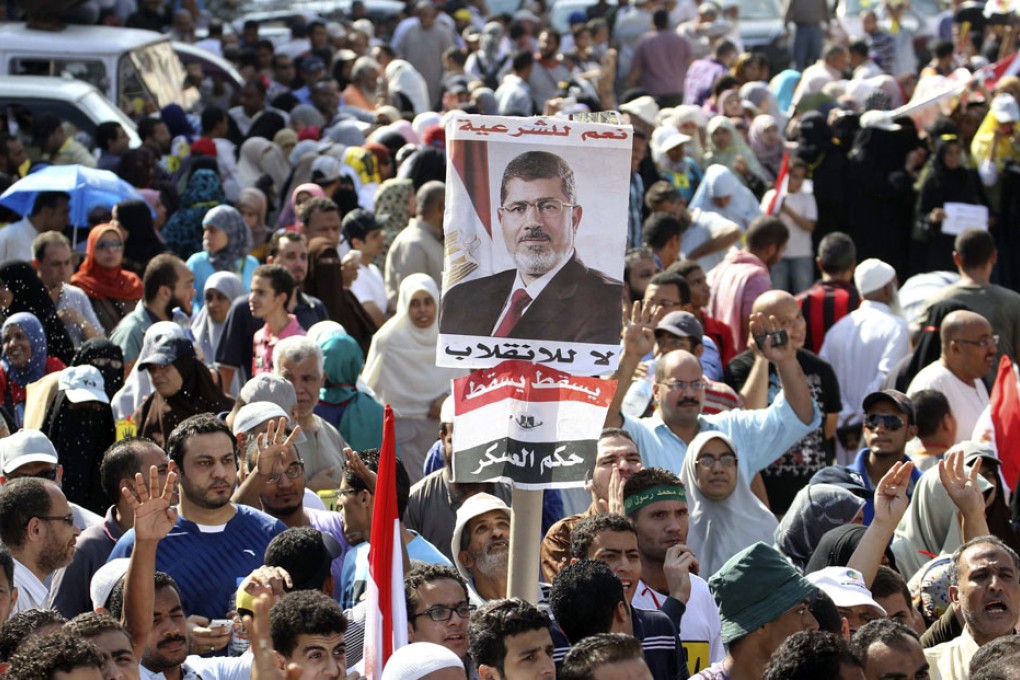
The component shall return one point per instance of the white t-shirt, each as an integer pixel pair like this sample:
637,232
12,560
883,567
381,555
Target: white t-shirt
802,203
701,627
966,401
370,286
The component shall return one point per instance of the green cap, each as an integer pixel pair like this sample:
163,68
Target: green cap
754,587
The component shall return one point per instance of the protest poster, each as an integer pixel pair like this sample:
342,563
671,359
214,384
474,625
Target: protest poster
535,234
527,424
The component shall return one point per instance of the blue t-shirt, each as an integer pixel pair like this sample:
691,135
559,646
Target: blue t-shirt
207,564
355,569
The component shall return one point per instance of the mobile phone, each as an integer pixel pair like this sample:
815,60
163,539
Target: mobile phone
779,338
221,623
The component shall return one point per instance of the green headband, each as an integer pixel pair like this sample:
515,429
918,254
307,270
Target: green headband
632,504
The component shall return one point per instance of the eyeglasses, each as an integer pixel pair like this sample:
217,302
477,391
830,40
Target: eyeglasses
109,245
708,461
887,420
441,613
45,474
683,384
665,304
546,208
293,471
66,519
984,343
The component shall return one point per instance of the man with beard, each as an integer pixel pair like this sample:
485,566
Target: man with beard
549,294
37,526
435,500
234,353
481,547
356,501
864,346
167,283
214,542
983,578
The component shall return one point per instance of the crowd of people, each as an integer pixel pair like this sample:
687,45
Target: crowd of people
799,474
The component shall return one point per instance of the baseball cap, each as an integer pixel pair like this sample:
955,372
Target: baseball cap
672,138
271,388
83,383
901,401
312,63
1005,109
105,580
325,169
682,324
166,350
845,586
254,414
973,450
872,274
26,446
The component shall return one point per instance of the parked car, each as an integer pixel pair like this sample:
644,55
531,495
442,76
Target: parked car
73,101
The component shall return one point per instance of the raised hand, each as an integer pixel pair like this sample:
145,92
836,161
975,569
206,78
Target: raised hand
891,500
962,486
360,469
154,513
273,447
639,332
614,496
765,325
271,581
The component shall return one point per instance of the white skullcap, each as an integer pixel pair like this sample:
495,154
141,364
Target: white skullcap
417,660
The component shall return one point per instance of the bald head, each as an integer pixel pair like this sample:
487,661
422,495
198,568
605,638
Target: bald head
969,347
960,324
783,307
679,388
669,363
770,302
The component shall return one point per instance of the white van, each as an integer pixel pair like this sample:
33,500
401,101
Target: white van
132,67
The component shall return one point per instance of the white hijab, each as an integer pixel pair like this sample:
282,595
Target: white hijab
206,331
720,529
138,386
401,364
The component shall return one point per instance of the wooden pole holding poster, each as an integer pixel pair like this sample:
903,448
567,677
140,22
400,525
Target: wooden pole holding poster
524,558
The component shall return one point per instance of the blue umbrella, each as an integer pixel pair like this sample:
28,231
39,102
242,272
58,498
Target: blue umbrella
88,188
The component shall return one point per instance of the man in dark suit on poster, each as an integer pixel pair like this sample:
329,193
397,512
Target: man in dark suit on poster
550,294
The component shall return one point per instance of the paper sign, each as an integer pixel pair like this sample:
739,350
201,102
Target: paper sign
963,216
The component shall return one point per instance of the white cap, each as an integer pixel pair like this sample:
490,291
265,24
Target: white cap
880,120
106,579
446,410
1005,109
26,446
844,586
254,414
83,383
479,504
644,108
872,274
325,169
418,659
669,138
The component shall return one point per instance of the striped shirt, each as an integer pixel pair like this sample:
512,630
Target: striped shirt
822,305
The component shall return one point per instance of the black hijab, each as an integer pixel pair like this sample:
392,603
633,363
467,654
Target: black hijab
30,296
81,433
837,547
108,358
141,244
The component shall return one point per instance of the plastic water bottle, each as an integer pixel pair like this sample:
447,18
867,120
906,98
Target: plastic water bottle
638,396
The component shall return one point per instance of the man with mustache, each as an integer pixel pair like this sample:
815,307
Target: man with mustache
549,294
214,542
481,547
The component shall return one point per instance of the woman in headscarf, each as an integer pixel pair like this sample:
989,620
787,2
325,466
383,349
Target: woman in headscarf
259,157
137,385
24,360
27,294
948,181
142,241
394,207
357,415
219,291
669,149
427,164
113,291
286,139
183,231
325,281
726,147
267,125
827,172
226,241
400,369
758,93
837,546
253,206
183,387
105,356
816,509
290,216
725,516
767,143
783,86
81,429
927,348
721,192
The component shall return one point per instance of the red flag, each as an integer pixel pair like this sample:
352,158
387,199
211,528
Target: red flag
386,618
1005,402
782,182
1007,66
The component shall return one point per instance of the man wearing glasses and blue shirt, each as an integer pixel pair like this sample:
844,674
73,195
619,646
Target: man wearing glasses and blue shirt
37,526
761,435
438,609
550,294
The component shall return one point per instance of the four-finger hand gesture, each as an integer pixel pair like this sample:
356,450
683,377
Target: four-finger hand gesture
639,331
154,513
961,485
273,445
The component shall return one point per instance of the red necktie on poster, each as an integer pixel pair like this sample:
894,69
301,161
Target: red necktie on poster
518,301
